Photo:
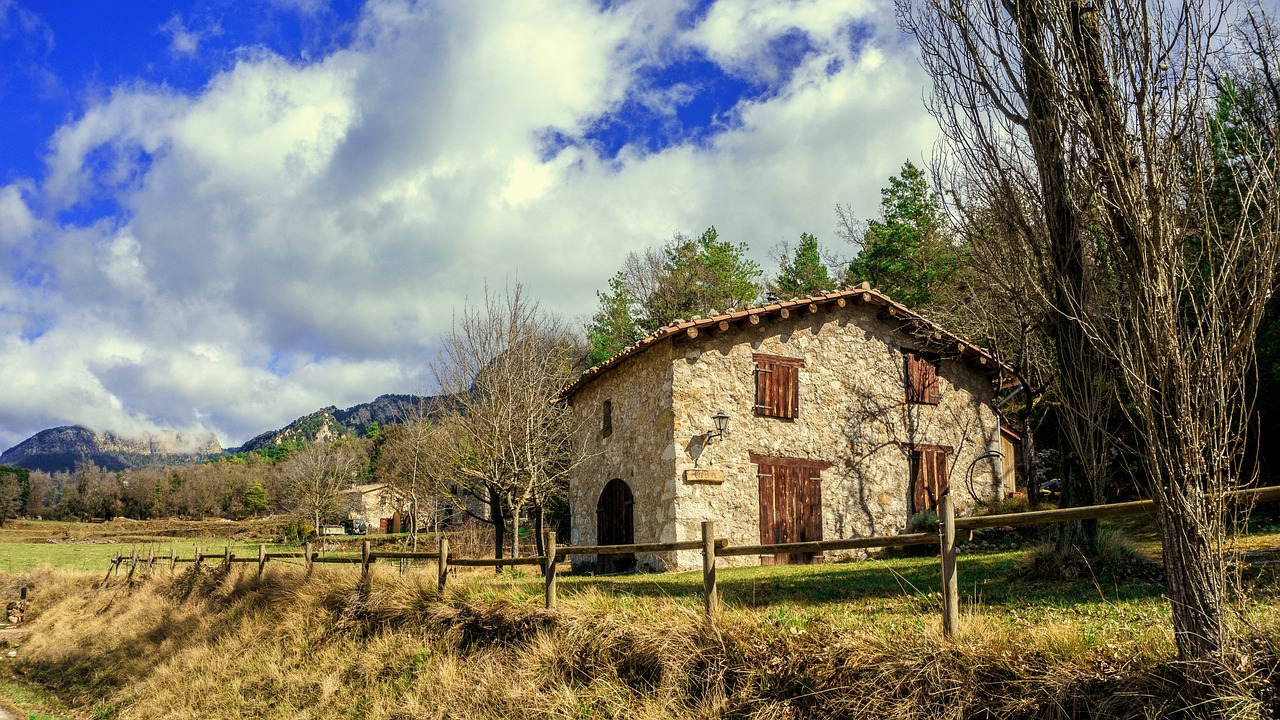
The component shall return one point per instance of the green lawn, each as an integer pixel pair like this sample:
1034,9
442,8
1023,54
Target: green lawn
29,544
32,702
900,592
903,592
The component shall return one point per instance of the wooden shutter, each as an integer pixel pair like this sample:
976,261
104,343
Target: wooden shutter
777,385
929,479
790,504
922,378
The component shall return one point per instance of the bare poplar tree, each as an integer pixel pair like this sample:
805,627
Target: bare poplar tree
510,447
1091,126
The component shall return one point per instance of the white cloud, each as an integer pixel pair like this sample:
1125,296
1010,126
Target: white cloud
298,235
17,223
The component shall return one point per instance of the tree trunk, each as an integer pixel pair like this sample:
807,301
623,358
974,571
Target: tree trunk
1191,567
1029,477
539,549
499,526
1076,538
413,523
515,531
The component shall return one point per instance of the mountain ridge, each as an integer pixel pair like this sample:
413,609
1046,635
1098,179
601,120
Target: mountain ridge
59,449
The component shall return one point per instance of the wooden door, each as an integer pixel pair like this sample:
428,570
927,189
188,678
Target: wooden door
790,505
929,479
615,526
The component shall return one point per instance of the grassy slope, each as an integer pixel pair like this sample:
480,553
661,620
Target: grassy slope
836,640
849,640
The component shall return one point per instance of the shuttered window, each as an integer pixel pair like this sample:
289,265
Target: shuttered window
921,377
607,419
777,385
929,479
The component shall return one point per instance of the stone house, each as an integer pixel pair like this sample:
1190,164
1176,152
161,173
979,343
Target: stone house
845,414
375,504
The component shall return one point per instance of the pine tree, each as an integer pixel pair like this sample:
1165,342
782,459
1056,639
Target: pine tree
906,253
255,498
697,277
803,274
613,327
684,278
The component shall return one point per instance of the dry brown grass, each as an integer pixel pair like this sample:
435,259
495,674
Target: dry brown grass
213,644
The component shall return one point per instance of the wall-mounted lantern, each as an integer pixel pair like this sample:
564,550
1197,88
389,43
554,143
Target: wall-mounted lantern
722,426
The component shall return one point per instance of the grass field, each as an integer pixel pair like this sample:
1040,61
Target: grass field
89,547
858,639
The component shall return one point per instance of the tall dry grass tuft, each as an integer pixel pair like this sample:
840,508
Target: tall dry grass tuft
212,644
1117,558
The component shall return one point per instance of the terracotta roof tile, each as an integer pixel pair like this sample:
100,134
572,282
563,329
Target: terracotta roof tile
862,292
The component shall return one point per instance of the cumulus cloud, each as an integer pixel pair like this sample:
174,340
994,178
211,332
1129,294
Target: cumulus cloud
298,234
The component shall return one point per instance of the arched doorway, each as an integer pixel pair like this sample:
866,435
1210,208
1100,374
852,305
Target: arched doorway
614,526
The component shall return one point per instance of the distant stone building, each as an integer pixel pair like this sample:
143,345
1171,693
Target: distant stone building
375,504
847,413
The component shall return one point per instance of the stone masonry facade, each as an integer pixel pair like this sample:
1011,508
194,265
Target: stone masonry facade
852,419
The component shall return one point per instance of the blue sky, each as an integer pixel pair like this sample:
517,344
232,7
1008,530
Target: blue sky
216,216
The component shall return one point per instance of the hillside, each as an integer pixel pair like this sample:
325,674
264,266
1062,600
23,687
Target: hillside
331,423
60,448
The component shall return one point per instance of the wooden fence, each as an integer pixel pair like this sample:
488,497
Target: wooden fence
950,531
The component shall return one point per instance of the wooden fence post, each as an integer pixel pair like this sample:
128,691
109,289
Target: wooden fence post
173,558
306,556
950,583
198,558
549,567
710,597
226,558
151,558
364,559
111,566
442,566
133,563
262,558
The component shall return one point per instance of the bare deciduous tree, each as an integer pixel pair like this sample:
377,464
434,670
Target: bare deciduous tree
510,447
1090,126
316,475
412,465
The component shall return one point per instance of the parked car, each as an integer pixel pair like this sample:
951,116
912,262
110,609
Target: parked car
355,527
1051,488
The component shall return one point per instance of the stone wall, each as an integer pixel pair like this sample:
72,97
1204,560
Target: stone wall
639,450
852,414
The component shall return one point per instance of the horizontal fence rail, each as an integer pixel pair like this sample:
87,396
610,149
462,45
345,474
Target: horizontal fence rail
951,530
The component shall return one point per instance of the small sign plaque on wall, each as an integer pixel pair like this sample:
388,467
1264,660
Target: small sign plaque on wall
703,475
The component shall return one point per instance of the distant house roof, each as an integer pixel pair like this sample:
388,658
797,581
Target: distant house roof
929,332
